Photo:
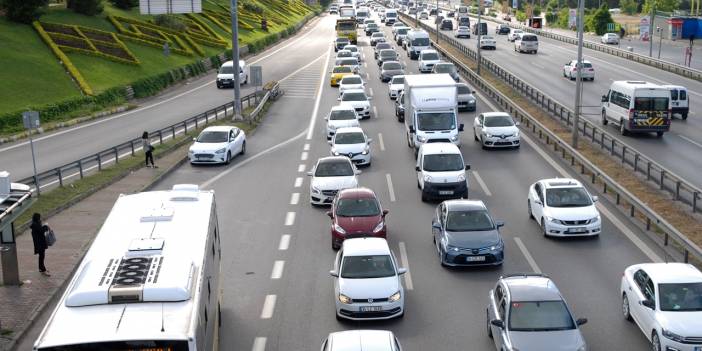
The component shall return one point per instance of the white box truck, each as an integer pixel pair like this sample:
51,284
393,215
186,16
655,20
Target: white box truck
431,113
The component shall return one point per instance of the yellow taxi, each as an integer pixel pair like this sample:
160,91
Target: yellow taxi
339,72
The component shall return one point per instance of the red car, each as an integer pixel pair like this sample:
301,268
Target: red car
356,213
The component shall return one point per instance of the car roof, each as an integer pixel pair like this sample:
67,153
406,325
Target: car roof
387,51
354,91
464,205
356,193
343,67
671,272
349,130
342,50
333,159
342,108
351,76
428,51
495,114
219,129
561,183
531,288
439,148
444,63
365,246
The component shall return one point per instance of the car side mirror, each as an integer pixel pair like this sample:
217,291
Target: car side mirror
194,139
499,224
370,140
338,99
472,91
460,127
467,167
330,142
334,273
648,303
330,214
416,168
401,271
357,172
517,124
498,323
412,130
309,173
369,98
604,98
435,225
581,321
595,198
385,212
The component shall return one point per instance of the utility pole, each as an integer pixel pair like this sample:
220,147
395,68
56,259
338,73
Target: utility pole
479,31
650,30
235,61
579,78
436,19
660,41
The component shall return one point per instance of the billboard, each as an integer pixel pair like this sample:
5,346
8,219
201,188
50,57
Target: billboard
158,7
572,18
644,28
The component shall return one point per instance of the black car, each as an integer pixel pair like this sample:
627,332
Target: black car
446,24
451,14
400,107
502,29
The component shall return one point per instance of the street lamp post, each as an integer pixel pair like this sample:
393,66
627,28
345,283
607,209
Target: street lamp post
650,30
480,32
235,60
660,41
579,78
436,19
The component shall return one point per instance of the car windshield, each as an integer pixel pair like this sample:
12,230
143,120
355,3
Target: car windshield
361,207
365,267
383,46
420,42
334,169
353,97
467,221
499,121
213,137
391,66
445,68
402,31
398,80
529,38
378,35
349,138
342,115
463,28
540,316
342,41
371,25
651,103
463,89
436,121
351,80
351,48
344,53
567,197
342,69
388,53
679,297
443,163
430,56
485,37
228,70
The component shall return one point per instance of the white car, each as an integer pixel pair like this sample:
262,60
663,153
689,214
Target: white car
570,70
360,340
423,15
225,75
376,38
609,38
354,51
367,284
514,34
343,54
462,32
397,25
357,99
329,176
665,301
350,82
427,59
563,207
340,117
217,145
488,42
395,86
496,129
353,143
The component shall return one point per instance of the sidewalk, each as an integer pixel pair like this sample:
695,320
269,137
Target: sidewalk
75,228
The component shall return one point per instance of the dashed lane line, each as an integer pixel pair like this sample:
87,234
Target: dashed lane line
268,307
301,168
527,255
380,142
259,344
290,218
277,271
405,264
294,198
284,242
390,188
482,183
298,182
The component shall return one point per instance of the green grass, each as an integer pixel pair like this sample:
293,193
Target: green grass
30,74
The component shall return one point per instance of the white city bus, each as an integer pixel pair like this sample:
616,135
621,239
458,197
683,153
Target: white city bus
150,280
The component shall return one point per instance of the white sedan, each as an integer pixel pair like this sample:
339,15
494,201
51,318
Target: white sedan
217,145
609,38
353,143
570,70
354,51
488,42
329,176
357,99
496,129
514,34
395,86
349,82
563,207
340,117
462,32
367,284
665,301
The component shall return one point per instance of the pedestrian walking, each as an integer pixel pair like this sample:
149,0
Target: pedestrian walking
39,231
148,149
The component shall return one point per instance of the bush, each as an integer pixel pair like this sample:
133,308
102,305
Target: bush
536,11
253,8
86,7
171,22
125,4
598,20
521,16
23,11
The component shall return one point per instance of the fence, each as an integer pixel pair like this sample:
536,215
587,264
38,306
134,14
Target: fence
680,189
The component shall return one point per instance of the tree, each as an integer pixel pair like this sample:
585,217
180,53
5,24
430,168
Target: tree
661,5
536,11
23,11
125,4
629,7
86,7
598,20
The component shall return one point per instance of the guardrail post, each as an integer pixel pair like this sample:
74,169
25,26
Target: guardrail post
662,178
665,239
623,154
131,145
99,159
196,125
631,211
185,127
80,168
694,201
648,171
648,223
636,163
116,155
612,150
687,256
677,190
160,136
604,189
618,196
60,176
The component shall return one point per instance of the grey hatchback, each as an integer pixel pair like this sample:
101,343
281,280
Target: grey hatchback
527,313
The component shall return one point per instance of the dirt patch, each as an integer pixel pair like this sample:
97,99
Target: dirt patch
98,36
74,43
114,51
56,28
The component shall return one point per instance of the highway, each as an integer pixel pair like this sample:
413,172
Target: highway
544,71
266,218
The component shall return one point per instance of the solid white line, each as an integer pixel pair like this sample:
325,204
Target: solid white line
303,156
380,141
278,267
482,184
371,92
538,66
298,182
290,218
527,255
284,242
294,198
390,189
375,112
405,264
690,140
313,117
268,307
306,147
365,64
301,168
259,344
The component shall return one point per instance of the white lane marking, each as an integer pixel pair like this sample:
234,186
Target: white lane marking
365,64
277,271
405,264
538,66
303,156
390,189
259,344
313,117
527,255
690,140
482,184
268,307
298,182
375,112
306,147
294,198
380,141
617,223
371,92
301,168
284,242
290,218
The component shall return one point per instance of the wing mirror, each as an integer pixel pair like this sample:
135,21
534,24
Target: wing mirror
517,124
499,224
581,321
357,172
370,140
604,98
435,225
401,271
334,273
412,130
467,167
309,173
416,168
595,198
538,202
330,214
338,99
498,323
648,303
330,142
460,127
194,139
385,212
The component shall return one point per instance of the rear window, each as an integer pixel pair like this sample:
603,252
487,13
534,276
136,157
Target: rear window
651,103
529,38
683,95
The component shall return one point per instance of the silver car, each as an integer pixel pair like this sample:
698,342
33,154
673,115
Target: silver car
527,312
466,99
359,340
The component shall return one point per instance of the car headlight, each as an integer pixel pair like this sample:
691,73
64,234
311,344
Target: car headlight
339,229
488,135
220,151
366,150
498,246
471,101
190,152
553,220
421,139
452,248
594,219
315,189
379,227
516,134
427,178
344,299
461,177
394,297
582,348
672,336
334,152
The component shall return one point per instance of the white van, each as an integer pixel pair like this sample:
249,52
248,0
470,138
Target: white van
416,41
390,17
225,75
441,171
679,100
526,42
637,107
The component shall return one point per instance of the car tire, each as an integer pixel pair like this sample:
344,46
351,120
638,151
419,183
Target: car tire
655,342
659,134
531,214
335,247
684,114
475,136
424,197
487,323
604,118
626,312
243,148
622,128
482,144
229,158
543,227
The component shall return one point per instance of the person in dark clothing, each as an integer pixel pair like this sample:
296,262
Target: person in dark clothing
148,149
39,238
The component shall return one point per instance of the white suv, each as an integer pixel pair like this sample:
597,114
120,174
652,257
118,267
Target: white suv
427,59
496,129
563,207
665,301
353,143
340,117
357,99
367,284
329,176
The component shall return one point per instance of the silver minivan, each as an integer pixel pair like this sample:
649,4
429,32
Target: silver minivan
359,340
526,42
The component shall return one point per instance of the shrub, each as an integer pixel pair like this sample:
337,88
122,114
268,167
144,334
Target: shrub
23,11
125,4
171,22
251,7
86,7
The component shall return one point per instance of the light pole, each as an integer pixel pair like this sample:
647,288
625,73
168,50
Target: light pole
436,19
660,41
578,66
235,61
650,30
480,32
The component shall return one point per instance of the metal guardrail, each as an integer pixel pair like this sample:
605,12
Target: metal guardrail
622,197
80,168
679,188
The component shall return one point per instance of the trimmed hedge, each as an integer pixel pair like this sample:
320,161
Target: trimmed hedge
113,50
152,85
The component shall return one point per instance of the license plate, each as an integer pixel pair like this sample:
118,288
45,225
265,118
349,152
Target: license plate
446,192
371,308
475,258
578,230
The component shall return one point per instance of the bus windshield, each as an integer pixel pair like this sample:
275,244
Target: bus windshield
346,26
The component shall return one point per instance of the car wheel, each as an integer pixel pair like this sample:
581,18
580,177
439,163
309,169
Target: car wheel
684,115
655,342
475,136
487,322
243,148
625,308
334,246
659,134
424,197
229,158
622,128
543,227
531,214
604,118
482,143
